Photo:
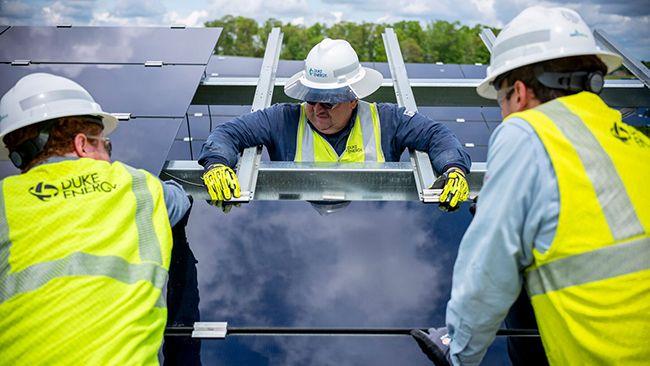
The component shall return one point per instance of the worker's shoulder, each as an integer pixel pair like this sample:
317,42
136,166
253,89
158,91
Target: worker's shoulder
394,110
514,128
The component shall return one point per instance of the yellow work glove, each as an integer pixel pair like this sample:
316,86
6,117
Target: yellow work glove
221,182
454,189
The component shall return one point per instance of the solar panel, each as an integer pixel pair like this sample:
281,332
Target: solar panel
287,68
477,153
492,114
433,71
641,117
459,114
473,71
229,110
233,66
295,249
180,150
382,67
470,133
142,91
145,142
7,169
108,44
199,127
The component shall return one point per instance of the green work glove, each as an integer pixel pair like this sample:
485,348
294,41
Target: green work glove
454,189
221,182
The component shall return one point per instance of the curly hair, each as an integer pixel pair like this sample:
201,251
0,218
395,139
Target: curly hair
61,140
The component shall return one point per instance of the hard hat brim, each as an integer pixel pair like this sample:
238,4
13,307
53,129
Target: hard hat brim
486,90
108,120
298,87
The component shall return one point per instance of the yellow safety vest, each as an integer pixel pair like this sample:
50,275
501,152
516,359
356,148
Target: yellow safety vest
591,289
85,247
363,144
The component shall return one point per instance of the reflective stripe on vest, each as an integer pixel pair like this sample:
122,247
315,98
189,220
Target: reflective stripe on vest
83,264
608,262
363,143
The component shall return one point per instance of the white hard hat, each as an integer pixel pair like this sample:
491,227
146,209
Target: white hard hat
333,74
40,97
541,34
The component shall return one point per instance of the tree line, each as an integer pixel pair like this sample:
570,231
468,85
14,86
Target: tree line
435,41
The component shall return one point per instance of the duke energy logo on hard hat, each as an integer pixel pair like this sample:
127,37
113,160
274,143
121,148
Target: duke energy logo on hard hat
318,73
44,191
72,187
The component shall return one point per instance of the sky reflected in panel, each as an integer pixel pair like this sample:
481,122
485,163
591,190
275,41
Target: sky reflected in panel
373,264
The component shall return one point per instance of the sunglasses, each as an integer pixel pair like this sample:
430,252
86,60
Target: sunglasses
107,142
324,105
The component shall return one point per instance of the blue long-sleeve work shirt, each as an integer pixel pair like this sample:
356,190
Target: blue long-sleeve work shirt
517,211
276,128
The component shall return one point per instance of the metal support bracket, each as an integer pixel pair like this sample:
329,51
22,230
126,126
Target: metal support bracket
249,162
634,65
422,169
488,38
210,330
288,180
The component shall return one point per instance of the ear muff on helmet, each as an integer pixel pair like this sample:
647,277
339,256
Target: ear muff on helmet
27,151
591,81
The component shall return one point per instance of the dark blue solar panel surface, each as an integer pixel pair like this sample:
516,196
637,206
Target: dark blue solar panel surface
473,71
452,113
144,142
232,66
492,114
641,117
287,68
384,264
432,71
382,67
143,91
108,44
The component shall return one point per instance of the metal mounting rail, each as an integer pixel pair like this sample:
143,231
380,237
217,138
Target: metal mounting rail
424,176
321,181
488,38
428,92
219,330
250,160
635,66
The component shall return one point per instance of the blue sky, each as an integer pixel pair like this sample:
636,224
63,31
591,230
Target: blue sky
627,21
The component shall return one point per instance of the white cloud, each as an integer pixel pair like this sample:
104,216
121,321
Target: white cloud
298,21
195,18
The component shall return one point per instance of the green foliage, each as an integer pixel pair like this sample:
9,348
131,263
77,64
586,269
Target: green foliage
448,42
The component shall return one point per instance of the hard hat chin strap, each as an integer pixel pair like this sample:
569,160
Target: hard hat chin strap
27,151
591,81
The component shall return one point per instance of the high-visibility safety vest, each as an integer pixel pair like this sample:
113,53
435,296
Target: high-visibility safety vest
591,289
85,247
363,144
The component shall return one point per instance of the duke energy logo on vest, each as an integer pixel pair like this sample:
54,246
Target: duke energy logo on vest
72,187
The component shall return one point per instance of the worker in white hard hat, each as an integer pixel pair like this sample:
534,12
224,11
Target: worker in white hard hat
333,124
564,209
85,244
